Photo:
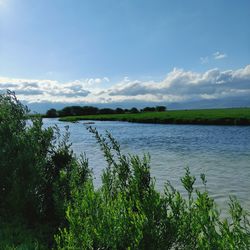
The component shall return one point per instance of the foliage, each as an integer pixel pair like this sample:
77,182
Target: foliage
126,212
154,109
148,109
119,111
51,113
134,110
36,169
16,236
89,110
160,108
78,110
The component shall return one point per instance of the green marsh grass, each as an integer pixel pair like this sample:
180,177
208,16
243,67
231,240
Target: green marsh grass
230,116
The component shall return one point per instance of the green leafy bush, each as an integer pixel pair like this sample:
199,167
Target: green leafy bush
16,236
126,212
36,168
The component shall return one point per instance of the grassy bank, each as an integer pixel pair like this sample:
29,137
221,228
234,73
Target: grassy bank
232,116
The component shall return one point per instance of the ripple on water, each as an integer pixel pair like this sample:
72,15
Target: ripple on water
221,152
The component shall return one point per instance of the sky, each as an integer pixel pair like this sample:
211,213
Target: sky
126,52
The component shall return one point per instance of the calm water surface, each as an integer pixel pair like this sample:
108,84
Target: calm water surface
221,152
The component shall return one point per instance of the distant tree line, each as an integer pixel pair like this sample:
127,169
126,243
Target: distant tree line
90,110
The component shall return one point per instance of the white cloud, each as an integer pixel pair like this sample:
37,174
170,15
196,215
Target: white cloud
33,90
178,85
215,56
218,55
187,85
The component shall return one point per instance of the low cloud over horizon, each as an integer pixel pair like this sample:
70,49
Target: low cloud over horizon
178,86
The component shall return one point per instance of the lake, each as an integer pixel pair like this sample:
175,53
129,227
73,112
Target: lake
222,153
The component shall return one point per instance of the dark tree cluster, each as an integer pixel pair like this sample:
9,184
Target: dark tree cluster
90,110
154,109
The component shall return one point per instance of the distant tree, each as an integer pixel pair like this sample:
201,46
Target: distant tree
51,113
76,110
65,112
148,109
160,108
134,110
119,111
89,110
106,111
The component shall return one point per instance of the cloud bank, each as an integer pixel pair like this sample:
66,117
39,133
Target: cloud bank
178,86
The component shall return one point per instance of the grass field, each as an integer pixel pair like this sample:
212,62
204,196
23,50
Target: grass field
230,116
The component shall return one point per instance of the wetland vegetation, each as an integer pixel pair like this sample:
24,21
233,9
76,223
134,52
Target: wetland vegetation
227,116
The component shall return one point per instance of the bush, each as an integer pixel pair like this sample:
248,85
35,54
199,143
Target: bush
36,169
16,236
126,212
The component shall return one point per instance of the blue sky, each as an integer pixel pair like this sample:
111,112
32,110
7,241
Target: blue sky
92,50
